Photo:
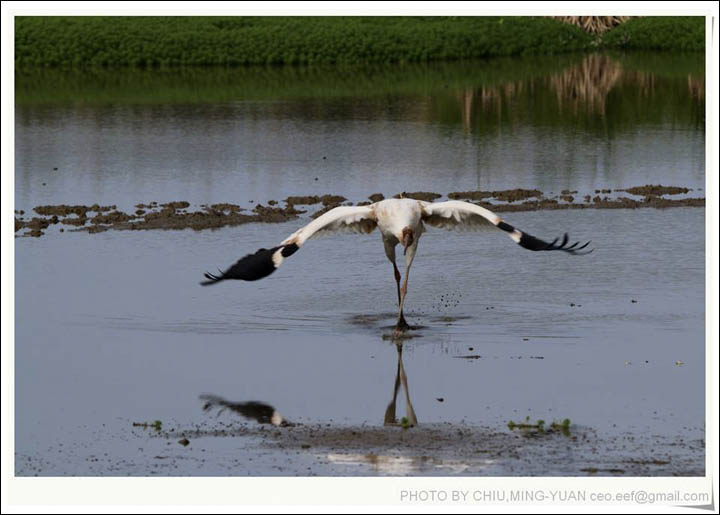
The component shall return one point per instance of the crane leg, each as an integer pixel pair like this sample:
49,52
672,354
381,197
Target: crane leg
390,411
397,281
412,418
402,324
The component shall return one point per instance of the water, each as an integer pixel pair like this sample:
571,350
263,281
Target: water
113,328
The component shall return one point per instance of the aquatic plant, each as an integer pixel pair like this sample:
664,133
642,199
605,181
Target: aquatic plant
538,427
156,425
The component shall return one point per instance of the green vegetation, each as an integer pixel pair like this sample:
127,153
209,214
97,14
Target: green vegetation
538,427
676,33
231,41
157,425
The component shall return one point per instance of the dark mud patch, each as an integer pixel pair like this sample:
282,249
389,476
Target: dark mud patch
222,208
112,218
35,225
178,204
470,195
513,195
596,203
77,221
329,200
306,200
66,210
427,196
176,215
173,217
658,190
516,194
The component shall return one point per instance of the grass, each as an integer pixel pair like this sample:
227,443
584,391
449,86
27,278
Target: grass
232,41
674,33
153,41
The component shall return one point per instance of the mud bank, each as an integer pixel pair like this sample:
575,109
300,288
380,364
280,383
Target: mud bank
177,215
173,215
326,448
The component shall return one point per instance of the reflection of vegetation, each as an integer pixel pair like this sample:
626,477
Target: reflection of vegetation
163,41
587,84
202,85
678,33
662,64
596,92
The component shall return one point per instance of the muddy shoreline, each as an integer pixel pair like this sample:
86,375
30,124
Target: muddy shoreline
322,448
179,215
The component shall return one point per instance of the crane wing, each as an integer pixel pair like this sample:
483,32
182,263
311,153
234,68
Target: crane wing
265,261
455,214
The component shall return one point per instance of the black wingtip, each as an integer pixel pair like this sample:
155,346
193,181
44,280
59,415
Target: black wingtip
211,279
531,243
253,266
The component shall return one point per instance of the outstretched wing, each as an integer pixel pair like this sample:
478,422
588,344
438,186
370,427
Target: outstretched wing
265,261
456,214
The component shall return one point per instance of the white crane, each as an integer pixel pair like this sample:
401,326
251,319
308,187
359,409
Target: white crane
400,221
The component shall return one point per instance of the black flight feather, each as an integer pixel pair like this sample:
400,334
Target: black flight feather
250,268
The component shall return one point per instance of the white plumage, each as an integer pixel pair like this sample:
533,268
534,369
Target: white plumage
400,221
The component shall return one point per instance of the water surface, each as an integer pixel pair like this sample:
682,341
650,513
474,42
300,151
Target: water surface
113,328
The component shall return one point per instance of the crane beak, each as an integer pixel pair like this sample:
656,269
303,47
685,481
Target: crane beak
407,240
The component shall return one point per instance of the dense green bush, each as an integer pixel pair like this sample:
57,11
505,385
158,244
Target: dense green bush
678,33
170,41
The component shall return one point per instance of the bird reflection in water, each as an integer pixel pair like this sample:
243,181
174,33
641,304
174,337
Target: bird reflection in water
400,377
264,413
259,411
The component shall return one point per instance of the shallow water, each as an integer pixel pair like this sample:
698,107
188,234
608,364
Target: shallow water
113,328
